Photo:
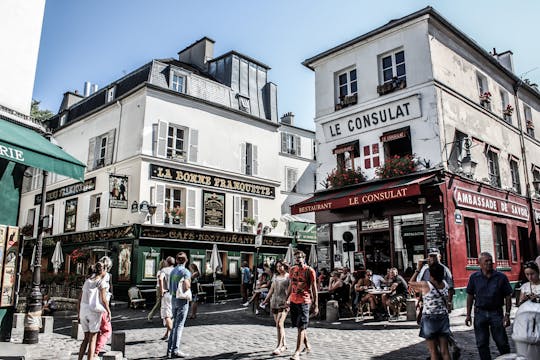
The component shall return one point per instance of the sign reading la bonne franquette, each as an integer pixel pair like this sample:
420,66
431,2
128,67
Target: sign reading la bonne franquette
376,117
490,204
66,191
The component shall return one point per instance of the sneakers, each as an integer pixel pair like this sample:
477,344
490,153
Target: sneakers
176,355
257,312
246,303
262,306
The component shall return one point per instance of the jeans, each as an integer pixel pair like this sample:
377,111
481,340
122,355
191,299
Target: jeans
180,308
484,321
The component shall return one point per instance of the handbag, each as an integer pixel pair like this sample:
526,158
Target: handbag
94,300
181,294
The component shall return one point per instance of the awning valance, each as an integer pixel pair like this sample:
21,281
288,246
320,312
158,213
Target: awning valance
25,146
360,195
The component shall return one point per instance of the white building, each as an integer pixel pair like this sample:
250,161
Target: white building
198,137
419,86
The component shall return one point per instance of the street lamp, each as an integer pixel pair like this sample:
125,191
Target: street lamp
467,165
274,223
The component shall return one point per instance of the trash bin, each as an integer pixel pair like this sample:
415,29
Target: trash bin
332,311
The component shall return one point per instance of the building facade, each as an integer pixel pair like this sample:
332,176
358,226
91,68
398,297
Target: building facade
181,153
442,133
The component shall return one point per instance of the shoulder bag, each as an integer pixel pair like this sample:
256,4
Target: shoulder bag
183,294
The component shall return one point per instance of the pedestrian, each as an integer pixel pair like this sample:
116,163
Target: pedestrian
166,302
157,305
262,285
92,303
245,281
49,306
194,269
301,295
277,296
105,329
180,277
435,324
398,293
489,290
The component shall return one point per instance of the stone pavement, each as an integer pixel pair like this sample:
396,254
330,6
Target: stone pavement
229,331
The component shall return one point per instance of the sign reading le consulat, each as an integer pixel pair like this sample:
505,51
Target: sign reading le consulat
194,178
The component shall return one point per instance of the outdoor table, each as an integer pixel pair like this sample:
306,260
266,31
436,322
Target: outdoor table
209,289
379,293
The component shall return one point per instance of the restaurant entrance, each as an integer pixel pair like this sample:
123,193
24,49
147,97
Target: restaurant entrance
376,246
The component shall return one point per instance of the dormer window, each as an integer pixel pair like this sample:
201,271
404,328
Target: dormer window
178,83
243,103
111,93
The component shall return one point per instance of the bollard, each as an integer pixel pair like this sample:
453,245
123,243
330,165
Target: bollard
112,355
332,311
411,309
76,330
118,342
47,323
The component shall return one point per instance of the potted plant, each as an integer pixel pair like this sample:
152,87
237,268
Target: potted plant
530,124
249,221
175,215
27,230
341,177
396,166
94,218
508,110
485,97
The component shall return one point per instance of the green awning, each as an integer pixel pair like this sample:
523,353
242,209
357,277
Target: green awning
25,146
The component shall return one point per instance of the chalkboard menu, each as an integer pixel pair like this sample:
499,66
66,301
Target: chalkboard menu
214,209
434,227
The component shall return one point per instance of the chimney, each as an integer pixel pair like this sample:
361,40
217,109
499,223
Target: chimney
94,88
288,118
70,99
86,91
198,53
505,59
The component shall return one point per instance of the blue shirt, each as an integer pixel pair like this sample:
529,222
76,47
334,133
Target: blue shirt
489,293
424,275
178,273
246,275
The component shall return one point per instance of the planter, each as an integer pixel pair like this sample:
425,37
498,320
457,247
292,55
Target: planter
339,177
396,166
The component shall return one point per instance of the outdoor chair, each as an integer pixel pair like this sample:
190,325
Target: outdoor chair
136,298
363,309
220,290
201,294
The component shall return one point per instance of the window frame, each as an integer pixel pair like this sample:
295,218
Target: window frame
501,241
350,85
504,103
494,173
536,178
472,246
291,144
514,175
393,66
289,187
170,202
172,152
527,115
175,84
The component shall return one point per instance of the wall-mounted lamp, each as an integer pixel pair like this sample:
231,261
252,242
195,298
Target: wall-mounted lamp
467,165
152,209
274,223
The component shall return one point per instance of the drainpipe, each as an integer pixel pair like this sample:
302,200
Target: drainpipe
528,194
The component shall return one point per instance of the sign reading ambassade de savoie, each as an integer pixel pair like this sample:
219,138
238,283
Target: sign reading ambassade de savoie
472,200
194,178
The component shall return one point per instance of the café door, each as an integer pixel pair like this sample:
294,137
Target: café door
376,246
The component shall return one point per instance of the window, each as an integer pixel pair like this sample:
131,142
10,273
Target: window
485,95
95,208
177,83
371,156
110,94
100,150
514,172
246,214
458,151
528,120
393,67
501,242
493,167
49,210
347,89
470,236
70,215
291,178
176,143
290,144
31,216
536,180
397,143
249,165
507,115
174,209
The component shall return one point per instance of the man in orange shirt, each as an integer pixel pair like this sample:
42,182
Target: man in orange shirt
302,293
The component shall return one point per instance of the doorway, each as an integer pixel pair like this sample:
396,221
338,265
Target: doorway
376,247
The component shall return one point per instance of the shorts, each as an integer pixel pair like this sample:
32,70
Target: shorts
194,297
300,315
90,321
434,326
166,307
279,310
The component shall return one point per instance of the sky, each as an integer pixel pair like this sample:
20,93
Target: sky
101,40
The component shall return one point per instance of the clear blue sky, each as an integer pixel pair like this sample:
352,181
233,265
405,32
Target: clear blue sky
100,40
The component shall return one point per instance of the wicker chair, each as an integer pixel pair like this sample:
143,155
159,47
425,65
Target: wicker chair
136,298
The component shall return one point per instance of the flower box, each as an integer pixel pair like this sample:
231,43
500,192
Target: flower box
391,86
345,101
27,230
343,177
397,166
508,110
485,97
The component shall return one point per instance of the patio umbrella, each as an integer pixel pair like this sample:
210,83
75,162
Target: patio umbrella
289,256
215,265
312,261
57,257
33,259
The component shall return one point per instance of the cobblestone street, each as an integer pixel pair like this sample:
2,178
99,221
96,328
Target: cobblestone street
229,331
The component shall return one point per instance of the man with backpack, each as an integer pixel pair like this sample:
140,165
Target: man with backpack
301,296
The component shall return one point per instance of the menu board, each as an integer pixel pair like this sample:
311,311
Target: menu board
434,227
214,209
323,246
9,271
485,229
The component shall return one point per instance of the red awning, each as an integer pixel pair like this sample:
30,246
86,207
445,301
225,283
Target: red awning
366,194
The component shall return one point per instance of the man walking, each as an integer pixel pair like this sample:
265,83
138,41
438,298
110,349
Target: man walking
489,290
180,276
245,279
301,294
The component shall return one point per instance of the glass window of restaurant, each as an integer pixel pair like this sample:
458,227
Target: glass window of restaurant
375,243
408,240
345,242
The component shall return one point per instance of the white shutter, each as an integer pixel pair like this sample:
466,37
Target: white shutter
236,217
193,145
91,154
160,204
243,158
110,147
297,145
294,179
191,212
283,142
254,155
255,203
162,139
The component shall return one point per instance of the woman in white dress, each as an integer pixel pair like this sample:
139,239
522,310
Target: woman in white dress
526,329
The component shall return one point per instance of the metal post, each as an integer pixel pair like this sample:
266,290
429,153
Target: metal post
32,319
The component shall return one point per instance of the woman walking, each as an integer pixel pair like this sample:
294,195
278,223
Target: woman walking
157,305
527,321
105,329
194,289
277,295
92,303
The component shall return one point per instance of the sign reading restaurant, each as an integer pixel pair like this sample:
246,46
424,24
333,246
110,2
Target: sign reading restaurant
490,204
376,117
194,178
66,191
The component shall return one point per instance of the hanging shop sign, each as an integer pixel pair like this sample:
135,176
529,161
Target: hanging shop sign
122,232
388,114
66,191
9,237
213,209
118,192
490,204
304,232
194,178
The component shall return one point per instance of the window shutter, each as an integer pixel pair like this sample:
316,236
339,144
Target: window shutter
110,147
193,145
255,160
283,142
91,154
191,212
160,204
255,203
293,180
154,139
297,145
243,158
162,139
236,219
